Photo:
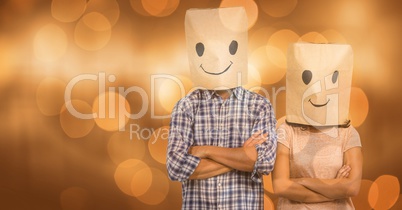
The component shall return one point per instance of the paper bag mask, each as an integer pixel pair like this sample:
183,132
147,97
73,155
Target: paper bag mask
318,83
217,47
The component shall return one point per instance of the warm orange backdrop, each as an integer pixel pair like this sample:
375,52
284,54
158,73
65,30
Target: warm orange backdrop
129,57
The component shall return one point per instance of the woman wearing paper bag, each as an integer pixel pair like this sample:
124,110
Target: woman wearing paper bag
319,158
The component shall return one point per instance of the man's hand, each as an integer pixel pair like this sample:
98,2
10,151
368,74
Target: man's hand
256,138
198,151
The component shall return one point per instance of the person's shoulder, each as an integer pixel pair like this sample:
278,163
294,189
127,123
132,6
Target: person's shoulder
351,130
257,100
255,96
189,100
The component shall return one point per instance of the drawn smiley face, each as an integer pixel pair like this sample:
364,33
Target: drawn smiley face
307,76
200,49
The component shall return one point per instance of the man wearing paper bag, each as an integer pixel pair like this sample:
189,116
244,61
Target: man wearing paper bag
222,137
319,159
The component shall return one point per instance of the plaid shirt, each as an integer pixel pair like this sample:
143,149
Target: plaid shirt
203,118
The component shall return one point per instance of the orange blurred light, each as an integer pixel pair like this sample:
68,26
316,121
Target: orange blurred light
159,8
359,106
277,8
313,37
92,32
72,125
122,146
108,8
334,36
171,90
361,200
249,5
50,96
157,144
384,192
110,115
269,73
277,57
268,183
254,79
68,10
282,38
50,43
158,190
125,173
268,204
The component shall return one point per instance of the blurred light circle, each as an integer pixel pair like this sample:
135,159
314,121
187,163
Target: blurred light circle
384,192
158,190
50,96
96,21
108,8
171,90
282,38
72,125
277,8
107,107
361,200
92,32
269,74
267,179
276,56
8,59
160,8
137,6
125,172
249,5
141,181
85,90
359,106
259,37
313,37
125,145
334,36
253,79
268,204
68,10
157,144
50,43
280,121
74,198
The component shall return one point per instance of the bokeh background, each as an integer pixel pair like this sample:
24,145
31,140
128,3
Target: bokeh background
129,51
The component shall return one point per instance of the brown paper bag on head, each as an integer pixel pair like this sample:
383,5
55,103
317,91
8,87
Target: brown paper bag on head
318,84
217,47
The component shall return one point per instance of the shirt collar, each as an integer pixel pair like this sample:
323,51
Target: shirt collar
238,92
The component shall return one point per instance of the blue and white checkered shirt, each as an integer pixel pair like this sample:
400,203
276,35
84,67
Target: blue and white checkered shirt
204,118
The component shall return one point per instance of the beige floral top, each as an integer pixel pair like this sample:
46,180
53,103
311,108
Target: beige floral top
316,153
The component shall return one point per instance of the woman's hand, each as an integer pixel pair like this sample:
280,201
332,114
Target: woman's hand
343,172
255,139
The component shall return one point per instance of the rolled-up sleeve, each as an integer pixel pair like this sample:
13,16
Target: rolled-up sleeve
180,164
266,152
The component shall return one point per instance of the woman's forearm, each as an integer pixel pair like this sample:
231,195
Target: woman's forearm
294,191
331,188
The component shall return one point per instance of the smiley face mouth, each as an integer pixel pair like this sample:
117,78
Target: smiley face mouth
218,73
318,105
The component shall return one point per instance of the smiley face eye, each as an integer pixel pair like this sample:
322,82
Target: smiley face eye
199,48
233,47
307,76
335,76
